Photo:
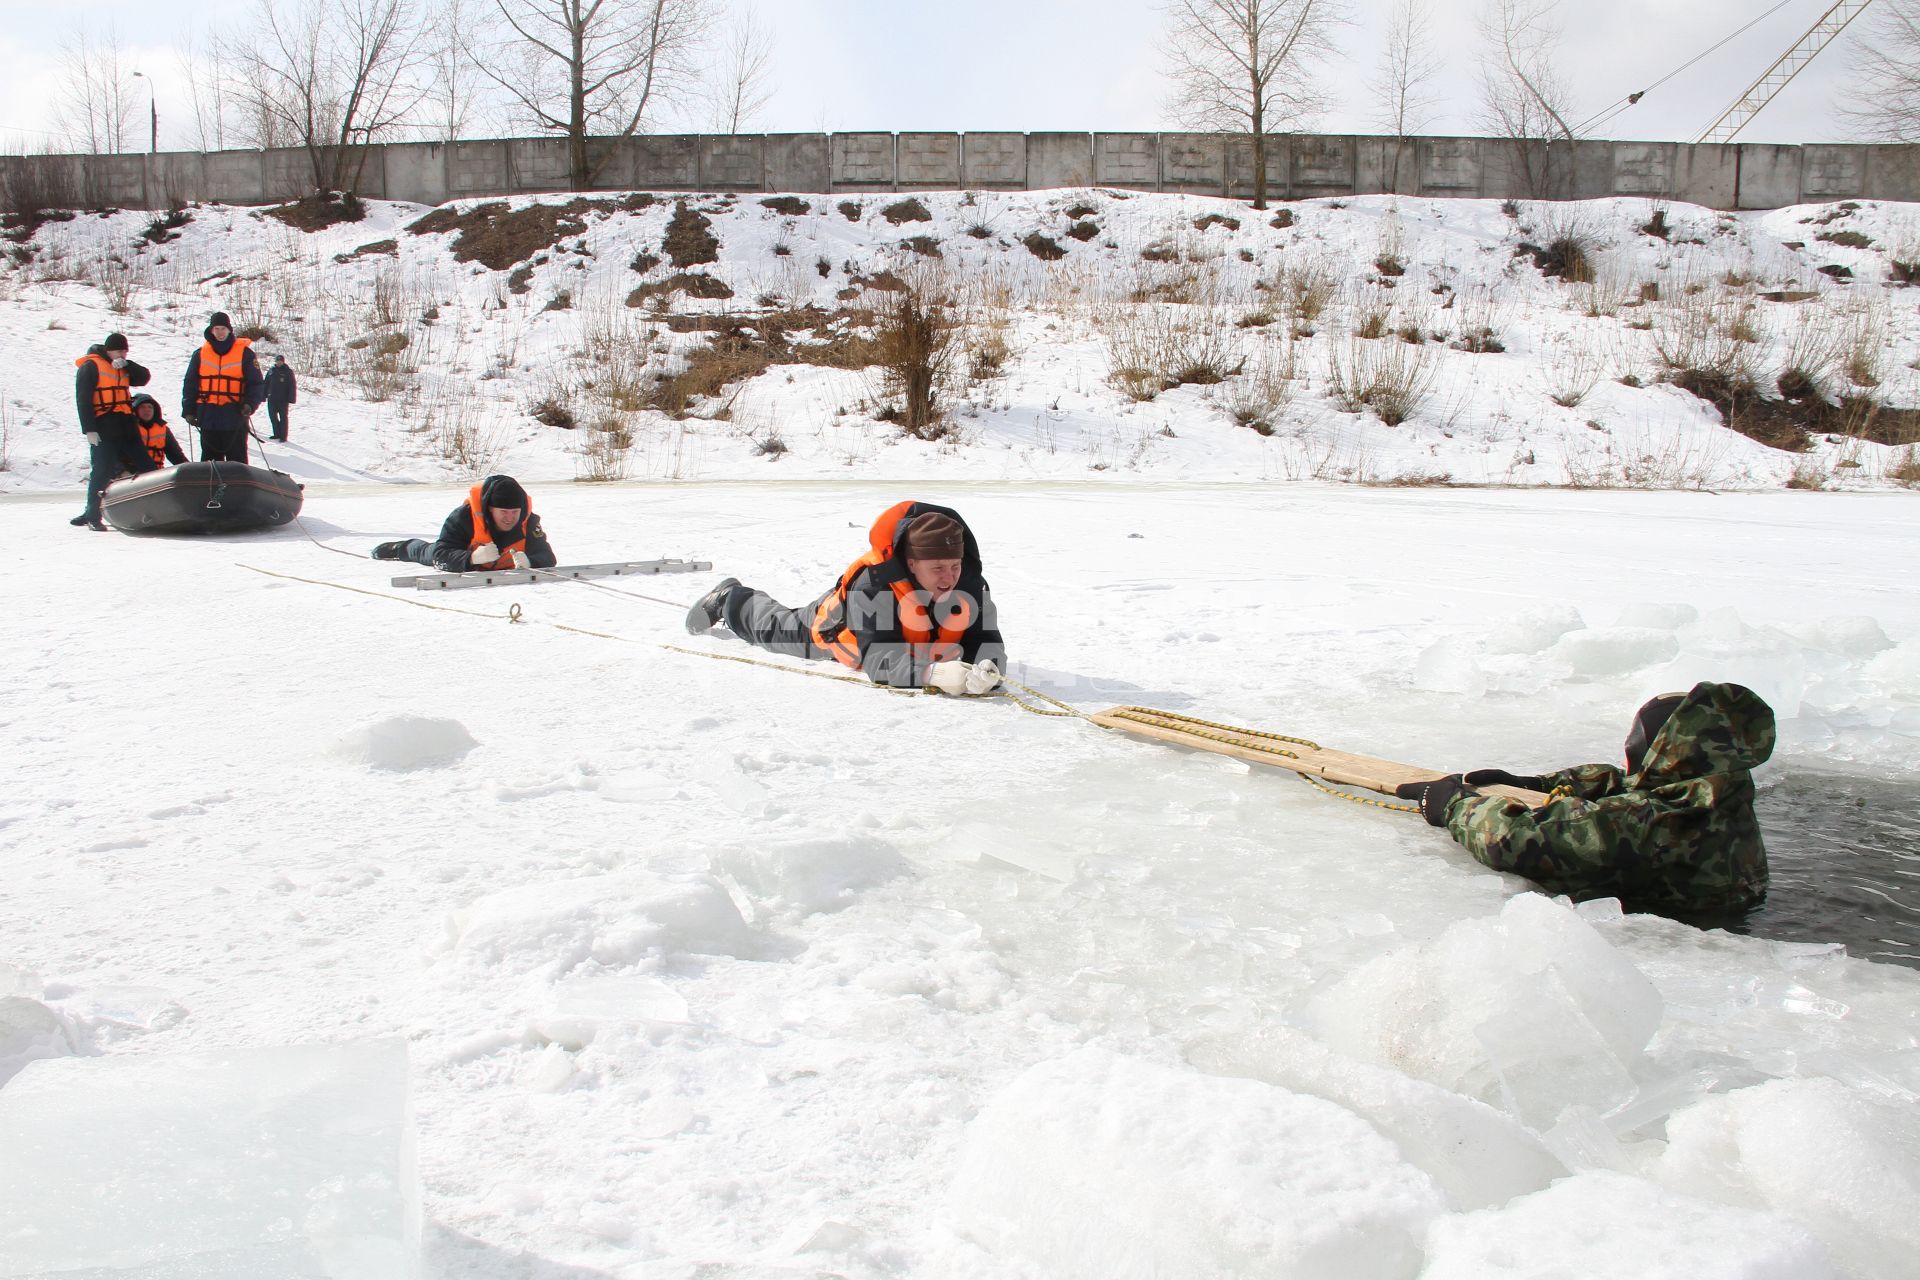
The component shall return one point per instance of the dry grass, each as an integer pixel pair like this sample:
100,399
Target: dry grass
1259,395
1152,348
1391,378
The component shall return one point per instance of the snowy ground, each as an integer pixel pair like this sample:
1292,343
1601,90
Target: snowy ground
706,970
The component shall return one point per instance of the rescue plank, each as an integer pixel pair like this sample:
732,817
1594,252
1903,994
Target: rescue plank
516,577
1255,747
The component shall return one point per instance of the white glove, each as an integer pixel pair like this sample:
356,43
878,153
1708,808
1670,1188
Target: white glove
485,553
521,560
119,362
983,678
93,437
949,678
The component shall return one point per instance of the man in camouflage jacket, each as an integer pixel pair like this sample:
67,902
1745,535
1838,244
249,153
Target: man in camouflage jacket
1674,833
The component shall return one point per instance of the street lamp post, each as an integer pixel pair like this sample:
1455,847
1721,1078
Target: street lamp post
153,140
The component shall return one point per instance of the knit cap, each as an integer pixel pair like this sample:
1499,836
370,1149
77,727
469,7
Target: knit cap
933,536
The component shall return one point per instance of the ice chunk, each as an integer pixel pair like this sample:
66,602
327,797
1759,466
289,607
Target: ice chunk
402,744
1842,1162
614,919
226,1165
585,1006
812,875
1850,636
1613,651
1477,1156
1532,631
1898,670
1606,1226
104,1016
1448,666
18,981
1659,617
29,1031
1501,999
1111,1168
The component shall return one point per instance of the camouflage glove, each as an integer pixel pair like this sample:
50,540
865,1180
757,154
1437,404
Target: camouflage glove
1501,778
1433,796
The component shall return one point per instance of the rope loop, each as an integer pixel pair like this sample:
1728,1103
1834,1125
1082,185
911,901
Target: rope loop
513,613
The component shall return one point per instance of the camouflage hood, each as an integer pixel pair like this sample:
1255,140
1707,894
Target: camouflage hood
1717,729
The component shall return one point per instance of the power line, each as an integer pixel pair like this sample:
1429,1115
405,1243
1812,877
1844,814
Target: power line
1613,109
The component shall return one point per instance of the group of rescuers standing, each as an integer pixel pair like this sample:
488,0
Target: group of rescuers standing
1672,832
128,432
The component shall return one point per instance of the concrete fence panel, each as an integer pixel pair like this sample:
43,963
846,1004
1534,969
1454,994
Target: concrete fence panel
415,171
1129,160
929,161
993,161
1059,160
733,163
862,162
1769,175
1193,162
798,162
666,162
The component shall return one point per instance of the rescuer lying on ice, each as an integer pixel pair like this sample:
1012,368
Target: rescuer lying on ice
495,528
1673,834
913,612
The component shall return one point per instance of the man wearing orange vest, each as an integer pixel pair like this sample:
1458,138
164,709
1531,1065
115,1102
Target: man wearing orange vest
222,388
156,437
495,528
913,612
102,391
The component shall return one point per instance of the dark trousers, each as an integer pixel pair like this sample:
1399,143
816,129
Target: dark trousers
119,450
764,622
418,550
223,444
277,418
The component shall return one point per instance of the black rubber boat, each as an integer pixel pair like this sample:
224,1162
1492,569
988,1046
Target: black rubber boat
202,497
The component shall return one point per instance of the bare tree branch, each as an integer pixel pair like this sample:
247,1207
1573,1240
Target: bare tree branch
97,89
1885,98
1523,95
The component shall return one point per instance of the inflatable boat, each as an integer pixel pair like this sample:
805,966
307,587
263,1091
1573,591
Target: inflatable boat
201,497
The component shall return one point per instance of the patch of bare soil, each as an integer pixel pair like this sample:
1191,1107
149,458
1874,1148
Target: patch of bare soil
690,239
497,236
319,211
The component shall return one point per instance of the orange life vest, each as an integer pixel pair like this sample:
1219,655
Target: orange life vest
110,392
154,436
223,378
932,641
482,535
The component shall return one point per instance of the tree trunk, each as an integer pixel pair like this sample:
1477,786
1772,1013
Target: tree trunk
582,174
1259,157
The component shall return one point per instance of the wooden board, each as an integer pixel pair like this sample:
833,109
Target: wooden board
1254,747
515,577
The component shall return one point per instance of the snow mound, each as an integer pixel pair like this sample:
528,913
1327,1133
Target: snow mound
1842,1162
1606,1226
1613,651
403,744
584,1007
1532,1011
808,876
1533,630
1112,1168
29,1031
614,919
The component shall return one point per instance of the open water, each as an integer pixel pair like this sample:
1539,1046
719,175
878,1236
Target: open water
1845,858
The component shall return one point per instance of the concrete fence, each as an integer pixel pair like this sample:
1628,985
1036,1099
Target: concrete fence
1738,176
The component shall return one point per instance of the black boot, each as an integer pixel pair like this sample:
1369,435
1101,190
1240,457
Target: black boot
710,610
82,518
388,551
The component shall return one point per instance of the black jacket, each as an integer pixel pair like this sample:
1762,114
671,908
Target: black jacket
281,386
212,417
869,615
453,549
87,379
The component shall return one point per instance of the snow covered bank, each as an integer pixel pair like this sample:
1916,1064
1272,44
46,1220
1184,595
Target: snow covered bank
1104,335
706,969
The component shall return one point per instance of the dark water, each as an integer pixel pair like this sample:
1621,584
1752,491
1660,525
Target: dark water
1845,857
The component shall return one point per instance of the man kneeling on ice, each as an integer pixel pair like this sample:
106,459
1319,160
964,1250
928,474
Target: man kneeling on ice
913,612
1674,834
495,528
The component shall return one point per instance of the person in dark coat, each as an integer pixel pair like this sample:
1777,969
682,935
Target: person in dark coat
156,437
102,392
222,388
495,528
282,390
913,612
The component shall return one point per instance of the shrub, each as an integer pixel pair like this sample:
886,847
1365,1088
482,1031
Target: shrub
1084,230
1216,220
850,210
1391,378
916,338
925,246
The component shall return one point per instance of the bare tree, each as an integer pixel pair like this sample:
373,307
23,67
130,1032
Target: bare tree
331,76
96,88
584,68
456,82
1885,98
204,71
1524,98
739,88
1245,66
1404,80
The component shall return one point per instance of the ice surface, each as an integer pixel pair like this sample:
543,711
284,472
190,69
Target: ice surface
1531,1010
1612,651
222,1165
1840,1161
1605,1226
613,919
18,981
585,1006
806,876
1111,1168
29,1031
1532,630
403,744
1660,617
1477,1156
